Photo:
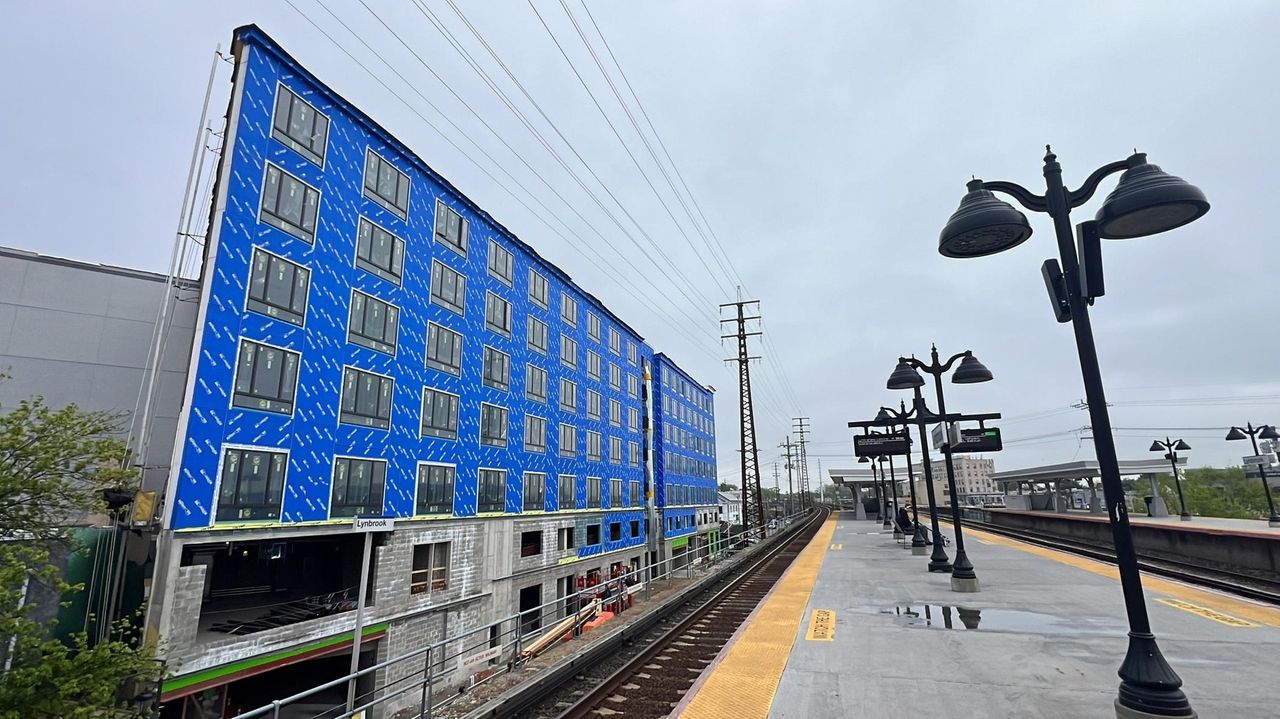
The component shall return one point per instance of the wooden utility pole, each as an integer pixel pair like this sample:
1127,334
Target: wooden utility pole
790,488
752,501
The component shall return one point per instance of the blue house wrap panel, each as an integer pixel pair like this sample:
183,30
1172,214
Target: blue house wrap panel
684,446
311,434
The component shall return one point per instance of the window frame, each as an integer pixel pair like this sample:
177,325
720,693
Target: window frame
456,370
501,475
390,402
418,487
573,493
439,300
430,587
490,300
566,341
530,323
375,196
595,330
538,449
370,342
463,224
530,370
333,484
560,400
615,341
568,302
269,309
509,279
545,300
541,503
560,443
271,401
598,373
506,425
273,219
284,138
599,446
593,482
264,506
492,383
436,432
386,273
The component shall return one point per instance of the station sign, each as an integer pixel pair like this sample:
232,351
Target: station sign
374,524
876,445
1258,459
984,439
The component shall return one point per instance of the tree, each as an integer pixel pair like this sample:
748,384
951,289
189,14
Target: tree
726,487
54,466
1216,492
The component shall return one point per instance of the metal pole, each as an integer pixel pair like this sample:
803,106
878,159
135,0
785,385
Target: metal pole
893,485
917,534
1273,520
1147,682
1177,481
963,578
359,628
938,560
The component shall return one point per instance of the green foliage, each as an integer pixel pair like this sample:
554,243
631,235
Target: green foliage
726,487
53,465
1217,492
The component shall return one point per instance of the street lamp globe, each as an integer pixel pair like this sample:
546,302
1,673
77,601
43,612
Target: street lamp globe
1181,446
904,377
1156,446
982,225
971,371
1148,201
1236,434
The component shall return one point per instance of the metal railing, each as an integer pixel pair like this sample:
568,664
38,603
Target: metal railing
501,646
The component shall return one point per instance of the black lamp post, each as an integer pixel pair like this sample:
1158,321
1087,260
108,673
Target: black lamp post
970,371
904,377
1146,202
875,481
893,487
1171,447
887,416
1253,433
886,509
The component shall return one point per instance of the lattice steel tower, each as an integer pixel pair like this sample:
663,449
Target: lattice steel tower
752,501
801,428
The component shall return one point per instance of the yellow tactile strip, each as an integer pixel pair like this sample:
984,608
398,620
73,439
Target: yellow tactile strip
1243,608
743,684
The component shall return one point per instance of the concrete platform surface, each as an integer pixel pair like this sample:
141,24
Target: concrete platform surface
1043,638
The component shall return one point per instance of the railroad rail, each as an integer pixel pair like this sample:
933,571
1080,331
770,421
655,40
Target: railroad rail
1252,586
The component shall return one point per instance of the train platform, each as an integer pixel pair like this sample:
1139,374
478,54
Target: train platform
1216,525
859,628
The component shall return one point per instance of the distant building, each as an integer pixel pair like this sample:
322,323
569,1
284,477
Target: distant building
973,480
731,507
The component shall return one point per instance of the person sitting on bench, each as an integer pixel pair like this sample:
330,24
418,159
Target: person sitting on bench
904,521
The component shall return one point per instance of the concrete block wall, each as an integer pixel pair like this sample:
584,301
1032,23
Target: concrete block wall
187,595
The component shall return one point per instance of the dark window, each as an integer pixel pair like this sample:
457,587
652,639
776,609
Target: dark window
535,383
631,352
379,252
568,352
633,450
435,489
594,449
564,538
386,185
373,323
615,531
358,486
451,228
635,494
366,399
569,310
444,349
439,414
289,204
615,494
568,441
593,492
530,544
635,528
299,125
278,288
535,434
593,326
535,488
430,568
615,450
615,376
491,493
615,341
537,335
568,395
593,404
448,287
593,364
615,413
501,263
493,425
593,534
568,495
252,485
497,314
538,289
497,369
266,378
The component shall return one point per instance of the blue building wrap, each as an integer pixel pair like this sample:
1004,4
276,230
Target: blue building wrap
684,446
308,428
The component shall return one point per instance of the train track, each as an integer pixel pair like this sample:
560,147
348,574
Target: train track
1252,586
649,674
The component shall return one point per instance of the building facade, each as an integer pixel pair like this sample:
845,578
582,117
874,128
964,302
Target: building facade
973,480
369,342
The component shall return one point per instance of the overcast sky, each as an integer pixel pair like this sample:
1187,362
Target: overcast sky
825,142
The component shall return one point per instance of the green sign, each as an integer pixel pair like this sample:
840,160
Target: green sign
681,542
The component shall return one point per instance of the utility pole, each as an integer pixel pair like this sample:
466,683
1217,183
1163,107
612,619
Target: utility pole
752,505
790,489
801,428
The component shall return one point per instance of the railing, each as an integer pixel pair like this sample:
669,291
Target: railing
502,646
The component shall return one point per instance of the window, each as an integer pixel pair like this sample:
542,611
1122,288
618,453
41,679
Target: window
435,489
593,404
568,352
631,352
299,125
497,314
568,496
439,414
444,349
289,204
278,288
373,323
615,413
564,538
535,434
491,491
535,487
635,527
535,383
593,446
366,399
497,369
358,486
615,450
633,386
501,263
633,454
615,531
568,395
633,419
538,289
593,326
615,494
530,542
266,378
568,309
386,185
451,228
252,484
635,502
448,288
593,534
568,440
537,335
430,568
493,425
379,252
593,365
615,341
615,376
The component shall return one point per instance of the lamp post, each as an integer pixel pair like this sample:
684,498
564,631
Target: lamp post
890,417
1146,201
874,482
1253,433
1171,447
970,371
886,509
893,486
921,418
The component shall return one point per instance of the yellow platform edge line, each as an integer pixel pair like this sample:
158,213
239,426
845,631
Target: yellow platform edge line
1220,602
743,685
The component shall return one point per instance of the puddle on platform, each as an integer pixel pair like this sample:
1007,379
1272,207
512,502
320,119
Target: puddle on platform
934,616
